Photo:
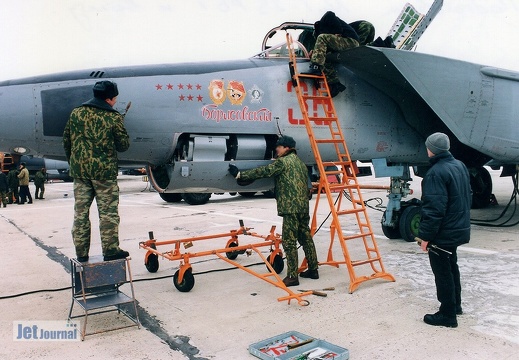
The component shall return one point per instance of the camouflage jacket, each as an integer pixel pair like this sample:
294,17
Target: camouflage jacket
39,178
291,179
92,137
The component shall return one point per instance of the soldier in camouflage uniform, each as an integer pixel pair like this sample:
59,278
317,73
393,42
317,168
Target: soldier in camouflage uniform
332,34
92,137
39,182
4,188
291,179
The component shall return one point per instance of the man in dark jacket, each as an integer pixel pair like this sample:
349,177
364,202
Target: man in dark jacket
291,179
14,184
444,225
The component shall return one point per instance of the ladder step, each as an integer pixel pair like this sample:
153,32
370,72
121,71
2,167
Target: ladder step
356,236
315,97
337,163
350,211
363,262
329,141
310,76
323,119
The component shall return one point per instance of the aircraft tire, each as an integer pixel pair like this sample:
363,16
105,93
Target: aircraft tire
409,222
481,184
196,198
391,232
187,282
171,197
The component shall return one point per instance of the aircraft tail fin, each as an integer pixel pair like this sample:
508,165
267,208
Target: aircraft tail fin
410,25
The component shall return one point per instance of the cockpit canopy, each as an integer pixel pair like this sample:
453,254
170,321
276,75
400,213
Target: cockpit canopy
274,44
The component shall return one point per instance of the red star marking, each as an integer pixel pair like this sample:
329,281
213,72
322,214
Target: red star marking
181,97
198,87
199,97
158,86
189,87
180,86
190,98
170,87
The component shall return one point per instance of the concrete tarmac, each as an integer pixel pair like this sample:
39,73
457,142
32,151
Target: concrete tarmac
226,311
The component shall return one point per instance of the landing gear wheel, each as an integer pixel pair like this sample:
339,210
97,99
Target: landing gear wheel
481,184
187,282
231,255
171,197
278,265
409,222
390,232
152,263
196,198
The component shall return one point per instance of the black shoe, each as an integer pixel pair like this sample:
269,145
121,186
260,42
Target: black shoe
119,254
310,274
82,258
313,69
459,310
30,202
336,88
289,281
439,319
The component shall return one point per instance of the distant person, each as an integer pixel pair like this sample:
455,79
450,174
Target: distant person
14,184
291,178
332,34
25,194
4,189
92,137
39,182
444,225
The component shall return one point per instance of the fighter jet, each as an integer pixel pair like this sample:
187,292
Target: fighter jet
189,121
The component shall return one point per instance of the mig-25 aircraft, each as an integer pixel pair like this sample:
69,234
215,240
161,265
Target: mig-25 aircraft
189,121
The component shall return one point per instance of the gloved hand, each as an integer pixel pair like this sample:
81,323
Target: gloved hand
234,171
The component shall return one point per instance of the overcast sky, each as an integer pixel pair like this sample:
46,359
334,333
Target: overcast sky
48,36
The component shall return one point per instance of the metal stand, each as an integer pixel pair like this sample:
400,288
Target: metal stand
96,285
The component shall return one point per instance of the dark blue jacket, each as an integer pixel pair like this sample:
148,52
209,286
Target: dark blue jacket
446,201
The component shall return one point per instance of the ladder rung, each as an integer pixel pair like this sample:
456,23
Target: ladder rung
356,236
336,163
314,97
324,119
363,262
350,211
310,76
329,141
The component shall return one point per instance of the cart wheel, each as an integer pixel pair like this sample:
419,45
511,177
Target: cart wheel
187,282
152,263
231,255
278,265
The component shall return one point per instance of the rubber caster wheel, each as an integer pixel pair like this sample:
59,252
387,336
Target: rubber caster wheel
152,263
409,222
278,265
231,255
187,282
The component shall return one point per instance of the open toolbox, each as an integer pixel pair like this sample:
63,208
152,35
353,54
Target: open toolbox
294,345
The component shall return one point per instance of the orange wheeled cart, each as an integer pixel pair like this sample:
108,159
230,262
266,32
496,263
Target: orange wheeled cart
183,278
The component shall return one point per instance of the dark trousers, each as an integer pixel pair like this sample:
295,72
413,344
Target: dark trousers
447,279
24,194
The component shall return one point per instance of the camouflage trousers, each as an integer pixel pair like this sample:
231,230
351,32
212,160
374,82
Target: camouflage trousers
106,193
296,230
326,43
13,195
3,198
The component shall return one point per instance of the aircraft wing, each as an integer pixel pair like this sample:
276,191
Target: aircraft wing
474,102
